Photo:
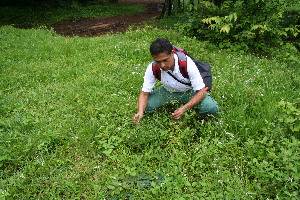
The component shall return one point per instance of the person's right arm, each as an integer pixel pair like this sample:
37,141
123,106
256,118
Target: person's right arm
149,82
142,103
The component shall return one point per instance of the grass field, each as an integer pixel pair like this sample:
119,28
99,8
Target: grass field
66,132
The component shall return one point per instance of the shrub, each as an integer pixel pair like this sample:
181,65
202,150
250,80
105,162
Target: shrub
252,25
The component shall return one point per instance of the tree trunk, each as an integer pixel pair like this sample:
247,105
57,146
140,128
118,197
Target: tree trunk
169,7
217,2
193,5
69,3
163,12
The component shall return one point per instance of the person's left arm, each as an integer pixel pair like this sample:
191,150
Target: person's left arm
195,100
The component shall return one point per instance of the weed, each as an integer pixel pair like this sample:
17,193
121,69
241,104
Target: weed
66,131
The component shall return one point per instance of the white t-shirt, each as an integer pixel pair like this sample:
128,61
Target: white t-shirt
170,83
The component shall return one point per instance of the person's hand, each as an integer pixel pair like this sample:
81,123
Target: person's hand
137,118
178,113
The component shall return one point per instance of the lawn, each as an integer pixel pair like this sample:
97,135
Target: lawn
66,132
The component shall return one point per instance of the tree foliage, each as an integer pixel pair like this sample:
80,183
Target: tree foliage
254,25
52,3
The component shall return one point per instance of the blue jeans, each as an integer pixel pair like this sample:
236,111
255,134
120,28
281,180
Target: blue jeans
161,96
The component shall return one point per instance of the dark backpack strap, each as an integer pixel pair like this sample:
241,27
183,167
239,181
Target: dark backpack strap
156,71
189,84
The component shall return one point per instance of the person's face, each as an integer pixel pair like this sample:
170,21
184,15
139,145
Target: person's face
164,60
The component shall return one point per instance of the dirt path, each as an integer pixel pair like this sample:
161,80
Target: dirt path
100,26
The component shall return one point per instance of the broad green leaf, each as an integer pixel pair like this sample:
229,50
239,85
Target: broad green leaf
225,28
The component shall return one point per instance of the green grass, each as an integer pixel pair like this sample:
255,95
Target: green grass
66,131
44,16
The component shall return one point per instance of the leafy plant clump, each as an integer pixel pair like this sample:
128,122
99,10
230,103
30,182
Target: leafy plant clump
66,130
247,26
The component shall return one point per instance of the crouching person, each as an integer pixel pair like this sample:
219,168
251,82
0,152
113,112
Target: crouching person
190,91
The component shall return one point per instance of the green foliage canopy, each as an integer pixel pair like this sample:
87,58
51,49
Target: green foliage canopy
52,3
249,25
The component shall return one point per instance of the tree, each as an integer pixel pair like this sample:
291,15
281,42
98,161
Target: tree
52,3
167,7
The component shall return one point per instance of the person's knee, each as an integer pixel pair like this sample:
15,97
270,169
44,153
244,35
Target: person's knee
214,109
209,109
208,106
150,109
152,106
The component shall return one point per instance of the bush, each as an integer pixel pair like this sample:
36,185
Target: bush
252,25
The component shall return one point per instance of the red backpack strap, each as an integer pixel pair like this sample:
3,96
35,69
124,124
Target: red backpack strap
178,49
156,71
182,64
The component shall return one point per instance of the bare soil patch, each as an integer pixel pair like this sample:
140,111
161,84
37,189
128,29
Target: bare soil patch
92,27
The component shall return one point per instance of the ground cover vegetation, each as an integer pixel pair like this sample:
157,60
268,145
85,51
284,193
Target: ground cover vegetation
66,130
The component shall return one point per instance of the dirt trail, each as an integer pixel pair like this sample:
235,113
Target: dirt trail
100,26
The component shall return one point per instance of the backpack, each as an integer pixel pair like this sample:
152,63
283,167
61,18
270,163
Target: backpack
204,68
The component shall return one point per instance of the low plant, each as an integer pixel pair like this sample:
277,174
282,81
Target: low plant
66,131
290,116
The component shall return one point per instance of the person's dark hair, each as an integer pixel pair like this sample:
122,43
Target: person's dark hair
161,45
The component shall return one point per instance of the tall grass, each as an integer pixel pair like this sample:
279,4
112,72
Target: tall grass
66,131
